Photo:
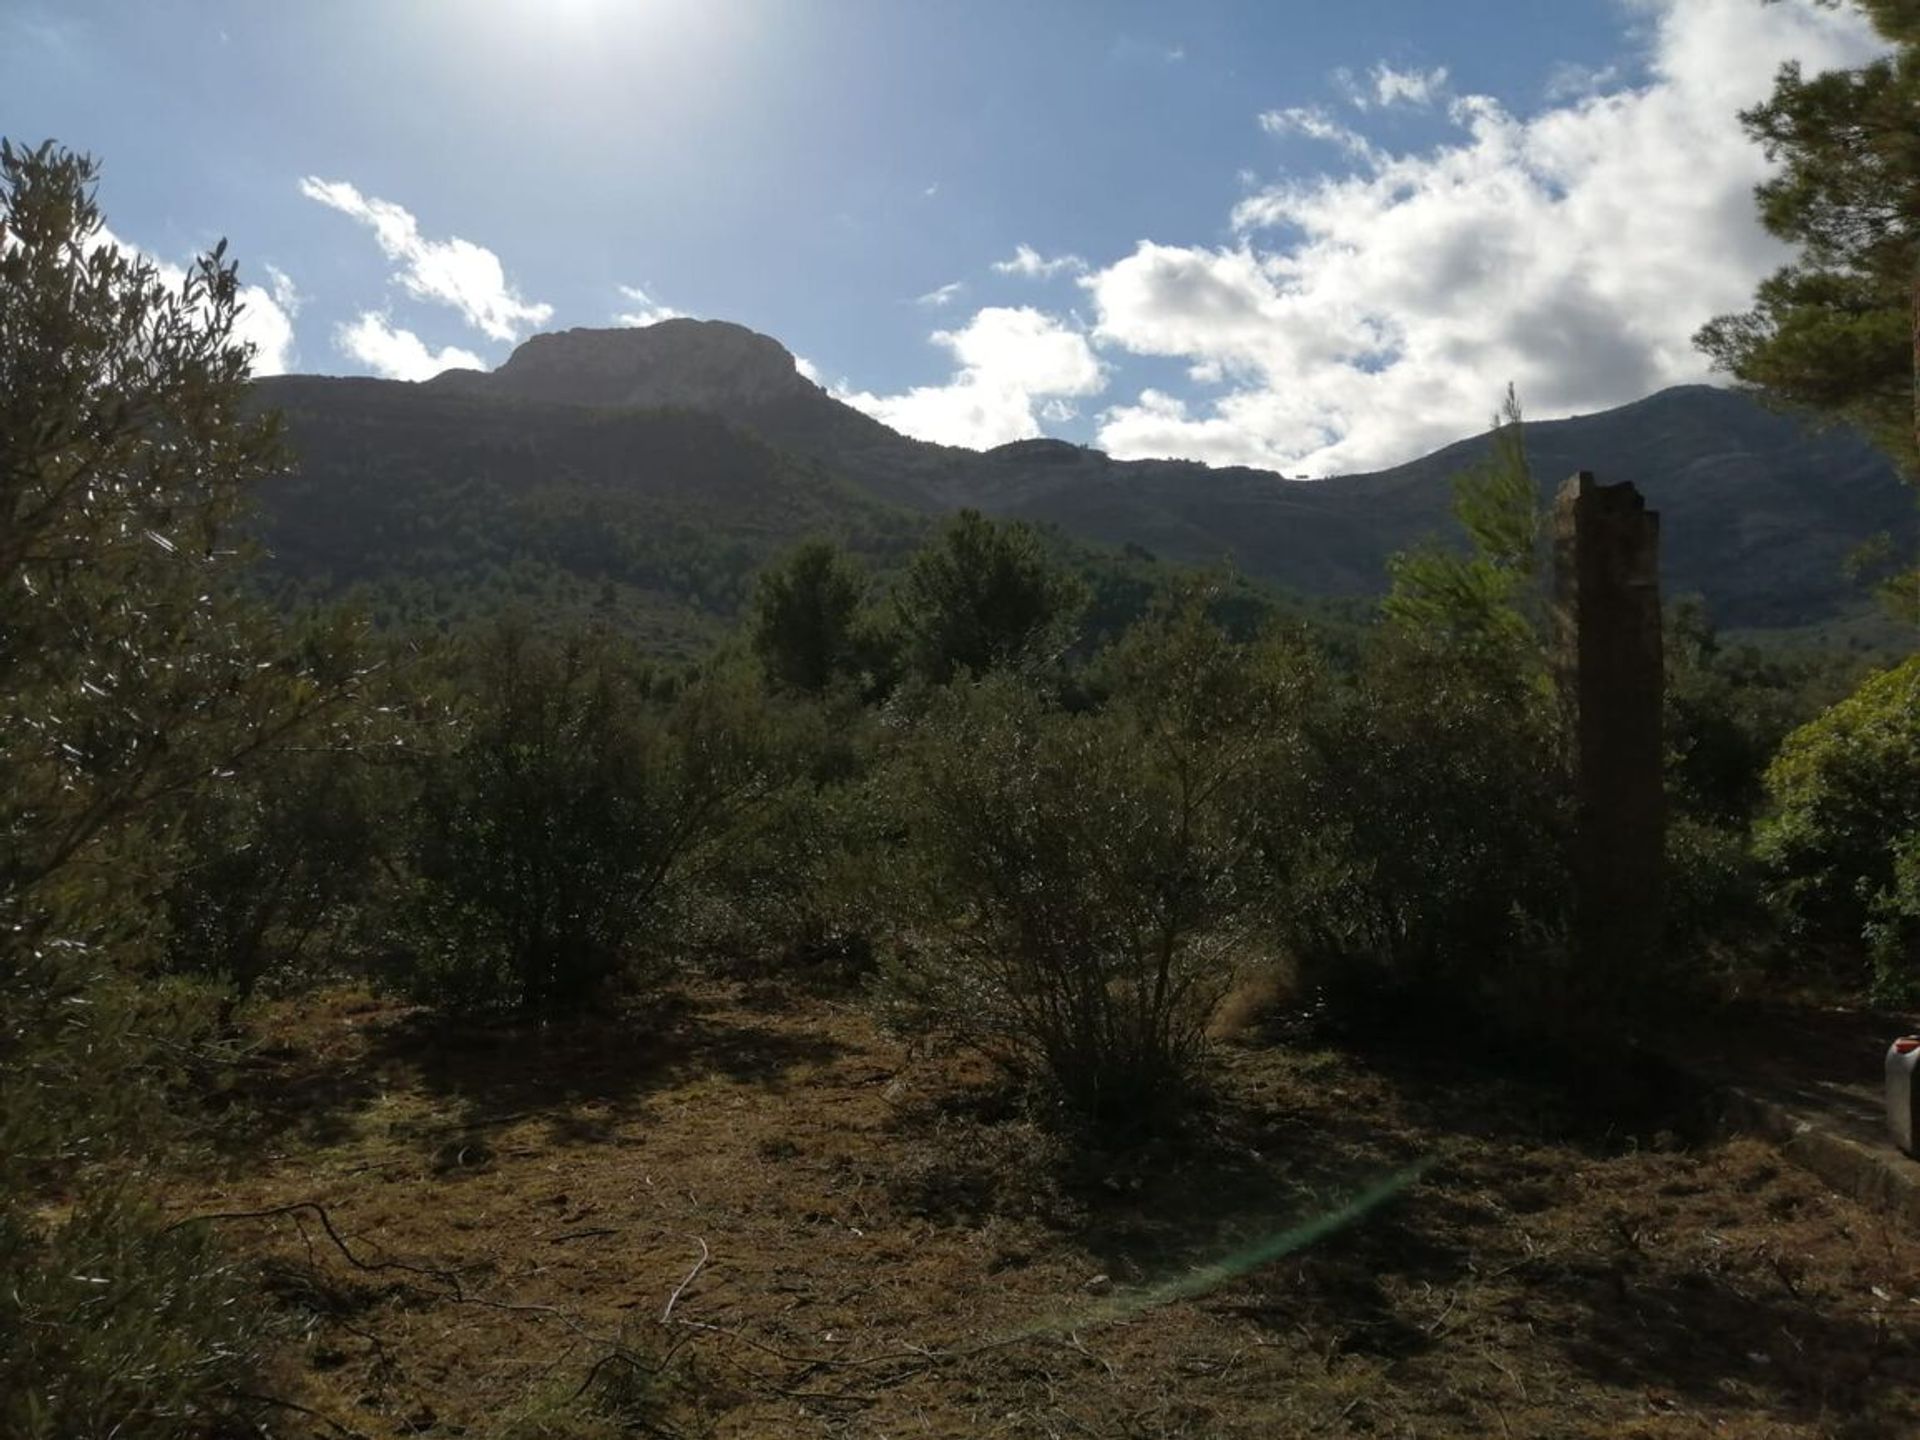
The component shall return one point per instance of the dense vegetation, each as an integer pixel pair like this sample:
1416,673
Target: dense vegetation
1837,330
1049,807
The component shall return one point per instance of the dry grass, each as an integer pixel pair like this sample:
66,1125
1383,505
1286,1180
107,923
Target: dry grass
804,1230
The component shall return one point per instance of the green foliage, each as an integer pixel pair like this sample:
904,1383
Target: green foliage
436,507
803,885
266,862
1487,599
1838,330
805,619
1079,883
1833,330
113,1326
568,803
1846,800
135,681
1424,852
1893,925
981,596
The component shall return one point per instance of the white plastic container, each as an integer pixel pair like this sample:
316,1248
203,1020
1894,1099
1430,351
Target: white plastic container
1903,1058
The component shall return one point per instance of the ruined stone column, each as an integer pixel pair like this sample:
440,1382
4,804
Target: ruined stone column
1607,604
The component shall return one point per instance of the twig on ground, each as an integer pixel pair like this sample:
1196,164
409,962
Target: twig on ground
666,1315
445,1277
298,1409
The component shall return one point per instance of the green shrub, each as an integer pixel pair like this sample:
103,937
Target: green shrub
1715,915
113,1327
801,886
1078,892
1422,853
1845,791
267,862
555,826
1893,927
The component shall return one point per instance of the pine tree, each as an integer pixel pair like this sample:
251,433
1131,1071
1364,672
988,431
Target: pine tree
1837,330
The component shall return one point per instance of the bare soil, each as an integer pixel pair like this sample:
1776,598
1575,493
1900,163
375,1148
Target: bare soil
746,1212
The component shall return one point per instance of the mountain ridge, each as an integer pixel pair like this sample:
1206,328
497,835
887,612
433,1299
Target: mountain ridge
1761,509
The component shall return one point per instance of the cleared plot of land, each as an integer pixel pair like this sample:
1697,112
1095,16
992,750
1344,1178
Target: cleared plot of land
849,1239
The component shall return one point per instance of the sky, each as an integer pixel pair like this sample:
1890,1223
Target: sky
1317,238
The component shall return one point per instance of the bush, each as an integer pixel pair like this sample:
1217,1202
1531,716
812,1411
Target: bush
1080,892
569,805
1422,853
112,1325
1893,927
1845,791
267,862
801,886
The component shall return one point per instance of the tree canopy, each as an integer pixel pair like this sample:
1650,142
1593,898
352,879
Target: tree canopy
1833,330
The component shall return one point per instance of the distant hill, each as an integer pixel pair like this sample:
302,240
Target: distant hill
670,460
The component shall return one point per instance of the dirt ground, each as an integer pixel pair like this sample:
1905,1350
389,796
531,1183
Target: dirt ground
745,1212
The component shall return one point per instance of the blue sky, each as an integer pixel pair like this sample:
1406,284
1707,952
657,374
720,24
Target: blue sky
1308,236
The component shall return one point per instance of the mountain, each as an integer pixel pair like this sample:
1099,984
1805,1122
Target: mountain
436,503
672,459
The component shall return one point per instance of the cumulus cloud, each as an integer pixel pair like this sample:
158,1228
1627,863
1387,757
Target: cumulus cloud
454,272
1013,365
397,354
1030,264
1360,318
942,296
646,310
266,317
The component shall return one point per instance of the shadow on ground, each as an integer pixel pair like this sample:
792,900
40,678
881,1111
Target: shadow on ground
581,1077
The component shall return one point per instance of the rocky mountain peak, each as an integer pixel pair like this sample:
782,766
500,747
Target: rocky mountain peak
701,364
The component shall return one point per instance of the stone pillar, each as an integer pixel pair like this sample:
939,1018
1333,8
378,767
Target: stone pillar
1612,679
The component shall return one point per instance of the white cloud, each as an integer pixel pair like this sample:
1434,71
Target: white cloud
1032,265
1568,81
1314,123
263,322
1010,360
808,370
398,354
1407,87
285,293
1362,318
943,295
454,272
268,327
646,311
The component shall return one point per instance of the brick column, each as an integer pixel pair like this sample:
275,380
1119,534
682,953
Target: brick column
1610,662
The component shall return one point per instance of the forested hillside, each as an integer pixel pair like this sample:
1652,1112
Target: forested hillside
560,471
